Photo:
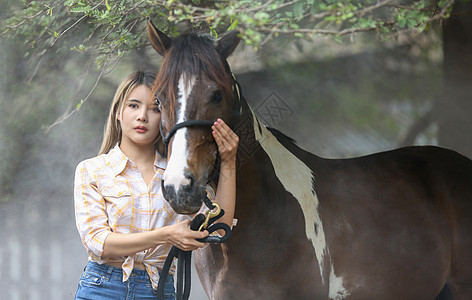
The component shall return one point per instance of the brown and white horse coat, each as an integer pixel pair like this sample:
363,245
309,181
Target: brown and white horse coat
392,225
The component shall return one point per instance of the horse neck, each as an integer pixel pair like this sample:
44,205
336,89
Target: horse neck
282,174
284,157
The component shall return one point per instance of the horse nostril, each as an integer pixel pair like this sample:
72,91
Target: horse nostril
171,188
189,181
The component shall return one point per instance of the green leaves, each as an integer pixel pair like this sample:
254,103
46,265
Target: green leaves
113,27
79,105
367,23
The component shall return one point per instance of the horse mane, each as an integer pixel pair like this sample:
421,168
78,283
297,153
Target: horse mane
193,55
281,137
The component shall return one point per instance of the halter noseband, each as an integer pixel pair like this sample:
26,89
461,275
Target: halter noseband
189,123
192,123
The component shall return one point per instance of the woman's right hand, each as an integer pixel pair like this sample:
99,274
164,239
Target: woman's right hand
182,237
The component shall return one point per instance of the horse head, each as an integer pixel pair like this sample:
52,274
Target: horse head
194,87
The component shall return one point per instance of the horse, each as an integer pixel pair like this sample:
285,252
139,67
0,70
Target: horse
390,225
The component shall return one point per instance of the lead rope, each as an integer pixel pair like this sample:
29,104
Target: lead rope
200,222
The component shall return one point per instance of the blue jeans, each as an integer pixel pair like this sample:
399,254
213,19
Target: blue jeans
104,282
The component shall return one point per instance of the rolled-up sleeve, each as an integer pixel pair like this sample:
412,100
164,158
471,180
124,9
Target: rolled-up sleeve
212,196
90,212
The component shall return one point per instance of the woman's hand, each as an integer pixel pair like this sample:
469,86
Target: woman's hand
182,237
226,140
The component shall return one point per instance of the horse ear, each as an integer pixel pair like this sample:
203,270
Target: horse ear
227,43
159,40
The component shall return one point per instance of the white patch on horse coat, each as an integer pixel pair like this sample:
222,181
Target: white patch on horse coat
297,179
174,174
336,288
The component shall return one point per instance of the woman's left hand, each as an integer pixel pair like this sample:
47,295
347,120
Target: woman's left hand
226,140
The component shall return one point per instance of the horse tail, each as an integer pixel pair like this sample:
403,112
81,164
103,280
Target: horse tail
445,293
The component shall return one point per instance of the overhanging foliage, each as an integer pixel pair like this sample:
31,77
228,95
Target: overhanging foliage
110,28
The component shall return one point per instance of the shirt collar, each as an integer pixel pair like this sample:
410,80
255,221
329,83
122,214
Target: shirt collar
160,162
118,160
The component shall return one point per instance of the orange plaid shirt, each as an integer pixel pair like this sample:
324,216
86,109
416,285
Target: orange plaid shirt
110,195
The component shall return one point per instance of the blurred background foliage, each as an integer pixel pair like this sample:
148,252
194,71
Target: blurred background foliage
374,66
355,77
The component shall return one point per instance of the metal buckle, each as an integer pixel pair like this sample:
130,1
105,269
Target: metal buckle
210,215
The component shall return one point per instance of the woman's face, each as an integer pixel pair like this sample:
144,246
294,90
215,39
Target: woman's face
139,118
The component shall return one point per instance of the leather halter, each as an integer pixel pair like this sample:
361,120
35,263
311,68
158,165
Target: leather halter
184,257
189,123
192,123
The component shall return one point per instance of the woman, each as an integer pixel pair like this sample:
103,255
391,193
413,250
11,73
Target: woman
123,220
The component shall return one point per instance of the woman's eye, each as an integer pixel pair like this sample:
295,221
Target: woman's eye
132,105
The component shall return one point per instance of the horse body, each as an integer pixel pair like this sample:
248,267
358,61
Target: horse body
389,222
392,225
387,234
262,258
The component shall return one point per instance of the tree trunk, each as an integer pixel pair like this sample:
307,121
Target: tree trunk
454,108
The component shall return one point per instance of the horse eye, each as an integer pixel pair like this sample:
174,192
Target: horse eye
217,97
157,101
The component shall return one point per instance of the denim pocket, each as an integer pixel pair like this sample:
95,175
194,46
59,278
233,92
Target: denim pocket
90,279
169,289
169,293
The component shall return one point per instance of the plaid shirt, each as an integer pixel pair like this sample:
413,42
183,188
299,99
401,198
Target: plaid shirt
110,195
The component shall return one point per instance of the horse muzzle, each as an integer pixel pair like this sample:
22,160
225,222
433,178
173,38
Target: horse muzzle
180,187
185,197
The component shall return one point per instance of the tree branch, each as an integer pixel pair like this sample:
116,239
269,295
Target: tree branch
68,113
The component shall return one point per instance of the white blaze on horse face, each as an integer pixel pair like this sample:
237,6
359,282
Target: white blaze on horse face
298,180
177,165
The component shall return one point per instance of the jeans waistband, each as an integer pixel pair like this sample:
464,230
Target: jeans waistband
108,271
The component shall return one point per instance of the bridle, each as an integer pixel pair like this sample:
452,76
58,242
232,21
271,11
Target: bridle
200,221
189,123
206,123
194,123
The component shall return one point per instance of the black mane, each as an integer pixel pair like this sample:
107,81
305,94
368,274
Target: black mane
281,137
193,55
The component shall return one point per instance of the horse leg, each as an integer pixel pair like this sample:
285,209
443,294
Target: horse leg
461,277
461,272
445,293
462,291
